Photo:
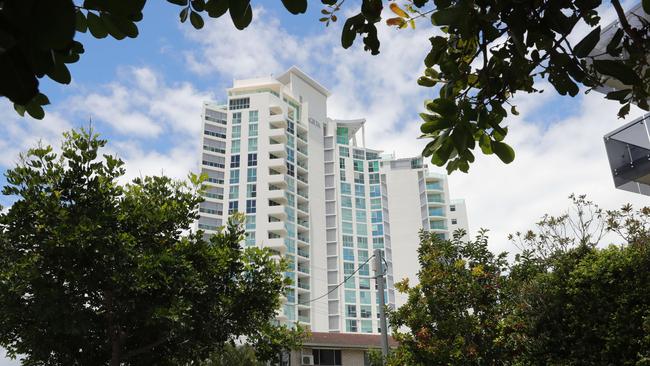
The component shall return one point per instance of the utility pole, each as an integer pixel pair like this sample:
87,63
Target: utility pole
379,277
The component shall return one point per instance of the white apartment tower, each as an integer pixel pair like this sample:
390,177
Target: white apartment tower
315,195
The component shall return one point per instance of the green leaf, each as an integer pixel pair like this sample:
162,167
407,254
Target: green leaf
443,106
446,16
183,14
96,26
80,22
20,109
624,111
617,69
503,151
514,111
646,6
216,8
35,110
60,73
619,95
425,81
241,13
295,6
612,46
584,47
348,34
196,20
54,23
179,2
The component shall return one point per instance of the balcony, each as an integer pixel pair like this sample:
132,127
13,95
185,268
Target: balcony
278,164
303,193
277,121
628,152
303,284
303,238
304,208
278,149
303,252
277,229
302,178
302,164
278,134
303,318
303,223
278,195
277,180
277,212
276,244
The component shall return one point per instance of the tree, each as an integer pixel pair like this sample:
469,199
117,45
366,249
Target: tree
567,304
93,272
454,312
483,52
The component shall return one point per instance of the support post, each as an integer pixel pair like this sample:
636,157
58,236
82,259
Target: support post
379,277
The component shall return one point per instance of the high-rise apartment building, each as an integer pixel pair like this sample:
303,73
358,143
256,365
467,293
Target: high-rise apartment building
314,194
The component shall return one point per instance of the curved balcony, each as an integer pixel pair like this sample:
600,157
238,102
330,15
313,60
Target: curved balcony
278,164
277,228
278,134
278,149
276,244
278,195
277,212
277,180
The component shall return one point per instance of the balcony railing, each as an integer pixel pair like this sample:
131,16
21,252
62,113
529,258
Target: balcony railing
215,134
210,211
214,149
215,180
628,151
303,285
303,253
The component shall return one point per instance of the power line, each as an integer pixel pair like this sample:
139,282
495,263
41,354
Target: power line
340,284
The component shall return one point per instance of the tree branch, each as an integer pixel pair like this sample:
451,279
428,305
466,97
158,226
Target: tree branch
624,23
145,348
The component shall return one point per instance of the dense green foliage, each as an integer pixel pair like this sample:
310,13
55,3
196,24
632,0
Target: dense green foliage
482,53
93,272
576,304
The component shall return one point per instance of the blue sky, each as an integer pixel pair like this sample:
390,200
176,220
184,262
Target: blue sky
145,96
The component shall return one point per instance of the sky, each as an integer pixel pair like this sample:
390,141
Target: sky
145,95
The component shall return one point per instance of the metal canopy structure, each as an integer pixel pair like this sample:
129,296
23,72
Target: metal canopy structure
628,151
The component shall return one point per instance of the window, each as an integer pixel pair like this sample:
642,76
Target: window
250,222
251,174
452,208
233,206
360,203
329,357
378,243
236,118
235,146
350,296
358,154
373,178
373,167
346,214
348,254
342,135
362,255
364,283
346,201
234,161
362,229
348,241
251,206
361,216
342,175
290,169
346,227
234,192
252,159
362,242
366,311
358,165
250,238
251,190
376,217
358,177
364,270
375,191
377,229
359,190
375,203
290,154
364,297
351,325
239,103
252,129
350,283
290,127
352,311
341,163
345,188
253,116
236,132
252,144
344,151
234,176
454,221
366,326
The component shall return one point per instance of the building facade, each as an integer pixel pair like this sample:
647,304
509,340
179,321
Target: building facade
314,194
